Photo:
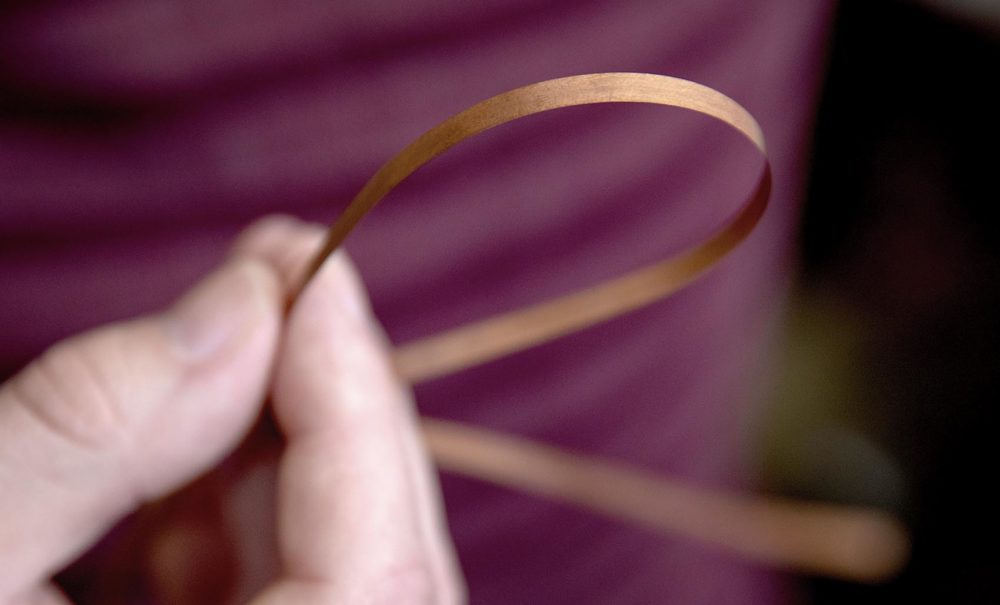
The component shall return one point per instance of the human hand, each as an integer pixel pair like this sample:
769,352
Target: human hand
129,413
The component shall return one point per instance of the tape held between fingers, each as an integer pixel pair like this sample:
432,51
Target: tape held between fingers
848,542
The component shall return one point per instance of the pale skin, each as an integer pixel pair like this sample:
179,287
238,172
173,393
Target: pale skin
130,412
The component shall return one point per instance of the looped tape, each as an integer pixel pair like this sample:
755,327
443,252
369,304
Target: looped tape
850,542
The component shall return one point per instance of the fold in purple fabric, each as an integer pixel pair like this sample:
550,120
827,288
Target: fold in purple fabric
138,136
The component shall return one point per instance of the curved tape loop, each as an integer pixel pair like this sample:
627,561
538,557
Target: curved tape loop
494,337
855,543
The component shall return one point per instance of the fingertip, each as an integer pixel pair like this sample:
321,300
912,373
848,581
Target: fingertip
234,300
284,243
337,286
223,336
44,595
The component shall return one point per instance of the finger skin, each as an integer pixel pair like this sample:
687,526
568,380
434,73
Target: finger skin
116,417
282,242
44,595
218,536
123,414
352,506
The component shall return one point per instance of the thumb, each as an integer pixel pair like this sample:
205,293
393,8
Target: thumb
123,414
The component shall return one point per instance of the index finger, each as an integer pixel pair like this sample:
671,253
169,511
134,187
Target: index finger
359,513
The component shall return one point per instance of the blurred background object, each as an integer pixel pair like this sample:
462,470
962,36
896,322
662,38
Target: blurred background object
892,360
977,13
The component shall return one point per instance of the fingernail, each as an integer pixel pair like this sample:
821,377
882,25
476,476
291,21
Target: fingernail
218,310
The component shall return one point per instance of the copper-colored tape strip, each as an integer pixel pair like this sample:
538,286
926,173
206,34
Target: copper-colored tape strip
853,543
847,542
507,333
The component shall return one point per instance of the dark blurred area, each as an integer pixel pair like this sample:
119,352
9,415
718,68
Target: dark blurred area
888,391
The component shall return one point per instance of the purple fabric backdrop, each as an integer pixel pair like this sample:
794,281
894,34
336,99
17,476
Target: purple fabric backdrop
137,137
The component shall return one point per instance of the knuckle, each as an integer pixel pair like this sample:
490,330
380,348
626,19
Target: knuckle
68,391
283,242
